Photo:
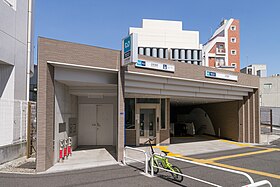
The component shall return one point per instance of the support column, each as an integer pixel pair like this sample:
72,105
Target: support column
45,116
257,116
121,113
247,119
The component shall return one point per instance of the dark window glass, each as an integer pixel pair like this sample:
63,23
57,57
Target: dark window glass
147,100
162,108
130,113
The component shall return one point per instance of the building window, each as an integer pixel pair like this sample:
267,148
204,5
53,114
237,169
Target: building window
11,3
233,40
267,85
233,65
220,61
233,28
162,116
233,52
130,113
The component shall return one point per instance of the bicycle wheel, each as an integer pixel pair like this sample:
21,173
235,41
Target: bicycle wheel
178,178
156,170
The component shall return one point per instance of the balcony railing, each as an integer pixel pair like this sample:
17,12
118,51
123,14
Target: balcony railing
220,51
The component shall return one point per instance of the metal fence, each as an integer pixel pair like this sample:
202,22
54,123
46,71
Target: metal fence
270,115
13,121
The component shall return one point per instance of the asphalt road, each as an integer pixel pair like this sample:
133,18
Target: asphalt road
267,163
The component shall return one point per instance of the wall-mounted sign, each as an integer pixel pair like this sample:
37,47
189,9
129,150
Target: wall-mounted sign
130,49
155,65
217,75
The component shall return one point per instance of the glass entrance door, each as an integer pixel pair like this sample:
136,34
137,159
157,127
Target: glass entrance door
147,124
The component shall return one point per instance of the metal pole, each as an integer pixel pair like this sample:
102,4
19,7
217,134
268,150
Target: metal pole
146,163
152,165
271,120
124,163
28,136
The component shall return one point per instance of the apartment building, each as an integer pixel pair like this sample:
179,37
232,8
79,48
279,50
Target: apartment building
16,67
222,50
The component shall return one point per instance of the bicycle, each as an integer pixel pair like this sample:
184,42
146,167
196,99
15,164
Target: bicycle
162,161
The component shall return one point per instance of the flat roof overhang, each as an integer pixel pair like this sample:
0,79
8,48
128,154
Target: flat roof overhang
89,81
182,90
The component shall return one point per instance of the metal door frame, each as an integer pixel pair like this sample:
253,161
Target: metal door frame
138,107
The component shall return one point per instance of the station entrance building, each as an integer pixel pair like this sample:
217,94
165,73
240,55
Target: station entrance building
84,92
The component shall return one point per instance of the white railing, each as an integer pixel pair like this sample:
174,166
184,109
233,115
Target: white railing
252,183
13,121
135,159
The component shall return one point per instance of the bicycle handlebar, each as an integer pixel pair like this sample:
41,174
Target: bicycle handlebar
149,140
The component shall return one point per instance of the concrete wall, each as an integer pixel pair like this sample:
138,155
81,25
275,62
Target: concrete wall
225,119
165,34
13,68
65,108
270,91
11,152
13,43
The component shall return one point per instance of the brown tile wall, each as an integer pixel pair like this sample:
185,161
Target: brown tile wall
71,53
234,46
130,137
224,116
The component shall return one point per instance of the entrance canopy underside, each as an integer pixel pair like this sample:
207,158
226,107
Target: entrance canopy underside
87,82
182,90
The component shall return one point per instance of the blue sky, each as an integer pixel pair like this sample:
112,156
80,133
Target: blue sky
105,22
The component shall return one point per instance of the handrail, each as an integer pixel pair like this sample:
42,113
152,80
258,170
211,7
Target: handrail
252,183
138,150
260,183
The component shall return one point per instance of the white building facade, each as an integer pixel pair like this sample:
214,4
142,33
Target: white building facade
16,67
168,40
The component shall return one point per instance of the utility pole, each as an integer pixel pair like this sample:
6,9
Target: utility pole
271,120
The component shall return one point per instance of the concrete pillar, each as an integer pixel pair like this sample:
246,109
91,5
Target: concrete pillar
166,53
160,51
195,56
141,50
189,55
176,54
148,51
154,52
183,55
121,113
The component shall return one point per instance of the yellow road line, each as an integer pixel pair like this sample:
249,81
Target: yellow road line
211,161
247,170
240,155
249,145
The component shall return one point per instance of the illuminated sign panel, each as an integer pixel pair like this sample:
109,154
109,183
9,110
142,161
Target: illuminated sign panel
217,75
155,65
130,49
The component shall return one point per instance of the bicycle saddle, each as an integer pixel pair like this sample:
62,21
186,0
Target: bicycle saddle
165,152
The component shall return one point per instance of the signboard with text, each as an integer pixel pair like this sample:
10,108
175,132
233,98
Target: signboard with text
130,49
217,75
155,65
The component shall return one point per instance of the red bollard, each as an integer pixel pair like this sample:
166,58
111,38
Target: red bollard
69,146
65,149
61,157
